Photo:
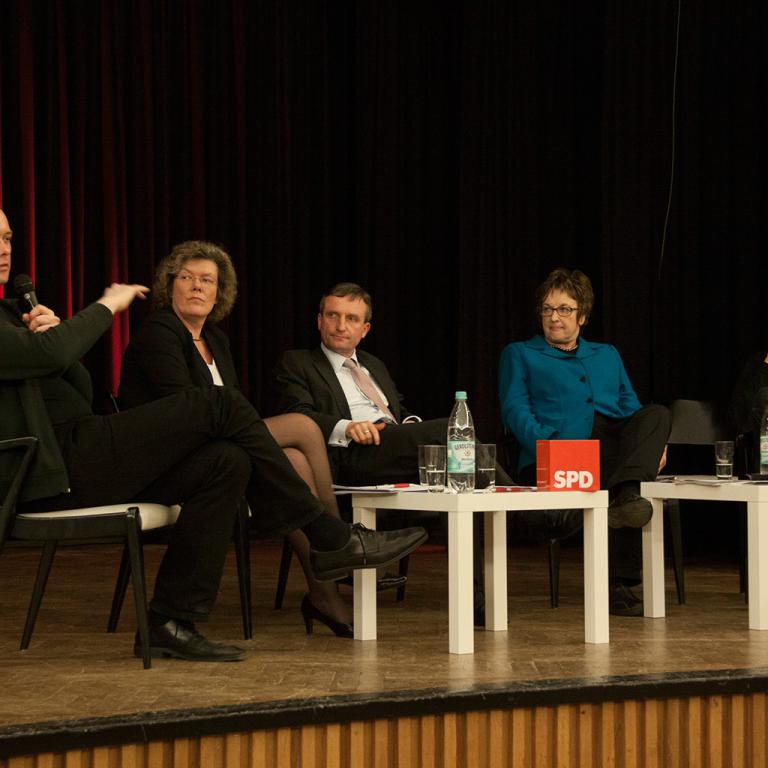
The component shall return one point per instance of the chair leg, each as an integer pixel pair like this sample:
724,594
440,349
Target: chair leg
136,560
282,574
243,556
121,587
403,571
43,569
554,573
676,535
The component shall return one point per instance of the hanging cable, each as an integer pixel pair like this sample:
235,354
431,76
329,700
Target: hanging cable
674,136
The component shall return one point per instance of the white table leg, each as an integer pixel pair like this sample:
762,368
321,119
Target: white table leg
654,605
596,575
365,584
757,551
460,603
496,570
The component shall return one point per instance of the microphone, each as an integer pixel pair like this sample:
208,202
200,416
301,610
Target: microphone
25,289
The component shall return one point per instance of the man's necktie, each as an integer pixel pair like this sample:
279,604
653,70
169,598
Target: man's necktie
367,387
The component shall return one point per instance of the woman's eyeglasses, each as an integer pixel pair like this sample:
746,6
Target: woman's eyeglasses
205,281
563,310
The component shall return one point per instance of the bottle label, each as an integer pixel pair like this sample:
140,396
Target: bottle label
763,452
461,456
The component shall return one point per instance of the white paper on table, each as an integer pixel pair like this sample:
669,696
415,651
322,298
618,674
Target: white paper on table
709,480
385,488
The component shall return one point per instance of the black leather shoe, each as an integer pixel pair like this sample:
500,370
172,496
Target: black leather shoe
629,511
385,581
365,549
180,640
622,601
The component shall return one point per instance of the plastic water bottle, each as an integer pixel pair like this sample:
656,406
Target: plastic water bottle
461,447
764,444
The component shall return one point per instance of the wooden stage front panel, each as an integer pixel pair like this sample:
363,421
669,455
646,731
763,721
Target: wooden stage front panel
685,690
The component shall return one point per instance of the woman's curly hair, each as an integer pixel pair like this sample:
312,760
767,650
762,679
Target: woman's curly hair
171,265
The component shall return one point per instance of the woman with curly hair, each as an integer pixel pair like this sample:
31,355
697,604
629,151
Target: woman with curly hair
179,347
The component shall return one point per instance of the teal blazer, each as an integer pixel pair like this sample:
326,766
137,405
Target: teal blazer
548,394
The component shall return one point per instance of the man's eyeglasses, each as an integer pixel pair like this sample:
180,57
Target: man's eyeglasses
563,310
205,281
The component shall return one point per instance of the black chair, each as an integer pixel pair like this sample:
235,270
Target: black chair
555,525
241,538
550,526
125,523
699,423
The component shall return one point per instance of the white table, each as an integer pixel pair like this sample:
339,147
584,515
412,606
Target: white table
494,506
756,498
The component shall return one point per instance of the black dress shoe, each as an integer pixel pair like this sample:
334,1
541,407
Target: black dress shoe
180,640
385,581
310,612
365,549
622,601
628,510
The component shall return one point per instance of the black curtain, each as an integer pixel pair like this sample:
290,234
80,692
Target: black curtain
447,156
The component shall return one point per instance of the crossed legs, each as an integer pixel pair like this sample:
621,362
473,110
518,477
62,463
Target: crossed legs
303,444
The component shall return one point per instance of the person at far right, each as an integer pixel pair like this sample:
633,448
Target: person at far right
749,401
560,386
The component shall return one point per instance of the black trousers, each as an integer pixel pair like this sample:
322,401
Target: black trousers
394,460
203,448
630,451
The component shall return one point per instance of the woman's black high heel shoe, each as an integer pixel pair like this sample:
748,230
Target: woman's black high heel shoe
310,612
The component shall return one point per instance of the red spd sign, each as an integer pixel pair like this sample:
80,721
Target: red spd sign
568,465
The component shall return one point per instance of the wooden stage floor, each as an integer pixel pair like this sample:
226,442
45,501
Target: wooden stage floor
75,670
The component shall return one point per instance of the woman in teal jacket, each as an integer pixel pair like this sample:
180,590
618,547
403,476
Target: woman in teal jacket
559,386
549,394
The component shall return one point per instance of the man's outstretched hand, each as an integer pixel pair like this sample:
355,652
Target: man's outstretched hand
119,296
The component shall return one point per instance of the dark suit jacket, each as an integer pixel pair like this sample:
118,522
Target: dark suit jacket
162,360
306,383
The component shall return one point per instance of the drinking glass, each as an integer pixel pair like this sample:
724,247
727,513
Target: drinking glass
485,467
432,467
724,459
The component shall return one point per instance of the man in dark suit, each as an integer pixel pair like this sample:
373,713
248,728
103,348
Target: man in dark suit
372,437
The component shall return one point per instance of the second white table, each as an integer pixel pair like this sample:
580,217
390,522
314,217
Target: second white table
756,498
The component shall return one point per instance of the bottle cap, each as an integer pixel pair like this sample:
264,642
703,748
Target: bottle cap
460,395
